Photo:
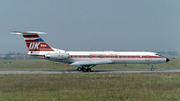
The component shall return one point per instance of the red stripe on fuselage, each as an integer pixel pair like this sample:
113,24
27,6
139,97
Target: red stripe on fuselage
110,56
124,57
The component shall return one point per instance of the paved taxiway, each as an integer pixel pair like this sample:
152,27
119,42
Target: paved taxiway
60,71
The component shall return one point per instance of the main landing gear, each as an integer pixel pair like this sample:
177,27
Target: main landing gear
85,68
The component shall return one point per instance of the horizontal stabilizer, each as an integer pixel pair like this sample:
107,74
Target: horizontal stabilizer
27,33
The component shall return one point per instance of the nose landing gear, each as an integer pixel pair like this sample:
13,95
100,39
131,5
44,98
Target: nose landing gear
151,69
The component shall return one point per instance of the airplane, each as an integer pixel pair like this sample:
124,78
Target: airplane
86,59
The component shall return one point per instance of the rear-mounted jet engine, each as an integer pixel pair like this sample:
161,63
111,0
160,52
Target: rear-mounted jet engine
57,56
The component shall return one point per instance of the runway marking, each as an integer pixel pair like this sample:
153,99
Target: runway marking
61,71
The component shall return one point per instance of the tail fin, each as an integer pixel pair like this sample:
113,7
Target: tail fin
34,42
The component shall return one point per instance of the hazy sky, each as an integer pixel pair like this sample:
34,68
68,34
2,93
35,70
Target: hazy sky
152,25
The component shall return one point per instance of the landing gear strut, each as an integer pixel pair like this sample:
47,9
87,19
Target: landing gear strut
88,70
85,68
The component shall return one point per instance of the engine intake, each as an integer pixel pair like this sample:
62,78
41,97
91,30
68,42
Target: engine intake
57,56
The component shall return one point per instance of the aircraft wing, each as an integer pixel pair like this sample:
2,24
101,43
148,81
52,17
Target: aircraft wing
91,62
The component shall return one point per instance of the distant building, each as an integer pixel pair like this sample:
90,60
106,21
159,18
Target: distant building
16,56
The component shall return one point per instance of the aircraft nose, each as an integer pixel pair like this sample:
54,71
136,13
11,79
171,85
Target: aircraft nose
167,60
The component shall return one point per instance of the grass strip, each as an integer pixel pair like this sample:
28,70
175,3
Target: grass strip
65,87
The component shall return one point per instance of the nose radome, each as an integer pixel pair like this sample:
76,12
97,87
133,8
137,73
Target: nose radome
167,60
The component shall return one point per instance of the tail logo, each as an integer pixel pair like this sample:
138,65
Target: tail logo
34,45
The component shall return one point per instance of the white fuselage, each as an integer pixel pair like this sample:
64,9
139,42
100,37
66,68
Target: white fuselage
115,57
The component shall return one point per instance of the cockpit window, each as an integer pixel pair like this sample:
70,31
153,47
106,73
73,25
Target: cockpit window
159,55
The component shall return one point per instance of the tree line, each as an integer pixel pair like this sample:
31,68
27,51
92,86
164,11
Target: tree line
168,52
